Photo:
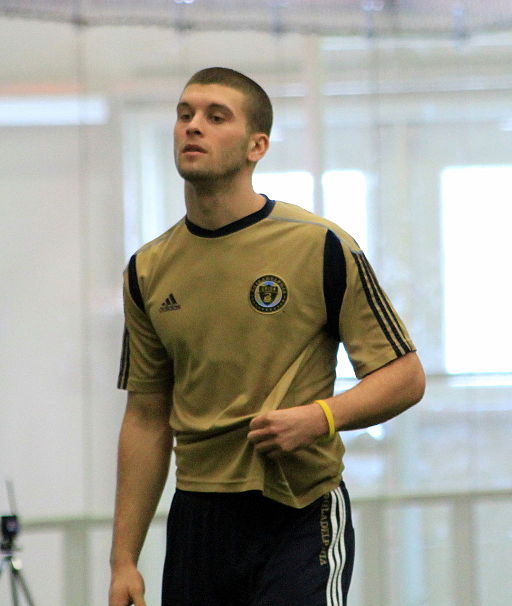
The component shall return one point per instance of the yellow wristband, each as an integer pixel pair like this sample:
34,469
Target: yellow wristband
330,421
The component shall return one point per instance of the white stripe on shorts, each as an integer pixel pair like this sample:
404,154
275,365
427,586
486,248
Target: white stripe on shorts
336,552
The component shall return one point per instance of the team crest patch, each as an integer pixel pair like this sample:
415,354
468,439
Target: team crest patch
268,294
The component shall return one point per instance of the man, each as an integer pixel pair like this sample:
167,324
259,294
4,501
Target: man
233,321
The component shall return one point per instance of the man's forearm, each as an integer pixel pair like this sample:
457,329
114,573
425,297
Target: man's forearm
376,398
381,395
145,446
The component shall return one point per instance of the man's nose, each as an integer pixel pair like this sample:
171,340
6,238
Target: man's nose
194,126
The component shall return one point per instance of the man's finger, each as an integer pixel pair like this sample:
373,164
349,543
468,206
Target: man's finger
259,435
259,422
265,446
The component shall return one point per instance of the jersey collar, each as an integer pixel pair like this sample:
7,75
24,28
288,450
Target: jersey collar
236,225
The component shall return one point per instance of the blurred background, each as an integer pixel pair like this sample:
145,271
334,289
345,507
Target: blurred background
394,119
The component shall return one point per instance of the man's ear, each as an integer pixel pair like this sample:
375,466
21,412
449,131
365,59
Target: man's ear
258,146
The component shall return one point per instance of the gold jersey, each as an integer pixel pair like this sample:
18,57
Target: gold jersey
246,319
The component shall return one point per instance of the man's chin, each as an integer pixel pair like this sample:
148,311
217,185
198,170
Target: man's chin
204,176
193,175
196,177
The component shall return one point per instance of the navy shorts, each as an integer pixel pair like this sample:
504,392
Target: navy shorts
243,549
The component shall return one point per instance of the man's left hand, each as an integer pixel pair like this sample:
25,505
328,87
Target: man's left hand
281,431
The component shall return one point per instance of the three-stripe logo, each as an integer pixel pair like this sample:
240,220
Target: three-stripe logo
170,304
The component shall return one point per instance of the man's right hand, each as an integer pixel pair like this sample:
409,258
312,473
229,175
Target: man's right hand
126,588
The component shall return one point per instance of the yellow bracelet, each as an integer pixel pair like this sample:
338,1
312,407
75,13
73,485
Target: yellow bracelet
330,421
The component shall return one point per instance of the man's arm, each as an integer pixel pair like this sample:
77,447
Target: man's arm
145,445
381,395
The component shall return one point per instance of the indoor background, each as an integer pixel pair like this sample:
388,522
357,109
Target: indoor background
393,118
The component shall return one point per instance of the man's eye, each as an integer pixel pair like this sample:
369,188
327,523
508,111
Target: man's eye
184,116
217,118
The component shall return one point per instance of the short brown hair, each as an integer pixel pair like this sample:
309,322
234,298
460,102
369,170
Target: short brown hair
259,107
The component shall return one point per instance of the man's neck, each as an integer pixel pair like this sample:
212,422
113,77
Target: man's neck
212,209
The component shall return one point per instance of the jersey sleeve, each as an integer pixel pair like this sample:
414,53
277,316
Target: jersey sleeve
145,364
359,312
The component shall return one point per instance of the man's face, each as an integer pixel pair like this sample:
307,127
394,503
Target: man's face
211,139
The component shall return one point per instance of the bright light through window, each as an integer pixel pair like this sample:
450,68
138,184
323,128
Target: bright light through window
476,220
345,202
291,186
50,110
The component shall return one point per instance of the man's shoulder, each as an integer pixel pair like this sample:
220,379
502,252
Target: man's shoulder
160,242
285,211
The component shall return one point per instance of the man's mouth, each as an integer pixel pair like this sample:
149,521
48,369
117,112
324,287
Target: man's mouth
193,148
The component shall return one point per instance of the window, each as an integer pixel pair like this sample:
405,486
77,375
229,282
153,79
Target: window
292,186
476,219
345,194
153,191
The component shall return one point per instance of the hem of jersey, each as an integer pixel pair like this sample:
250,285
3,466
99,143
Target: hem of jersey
242,223
380,362
285,498
225,486
299,502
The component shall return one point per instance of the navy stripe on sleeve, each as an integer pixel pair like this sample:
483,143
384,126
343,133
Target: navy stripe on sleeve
380,306
133,283
124,368
335,282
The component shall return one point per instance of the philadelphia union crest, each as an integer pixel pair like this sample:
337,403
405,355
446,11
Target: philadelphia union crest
268,294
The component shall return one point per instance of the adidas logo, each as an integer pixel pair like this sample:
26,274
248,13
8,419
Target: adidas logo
170,304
